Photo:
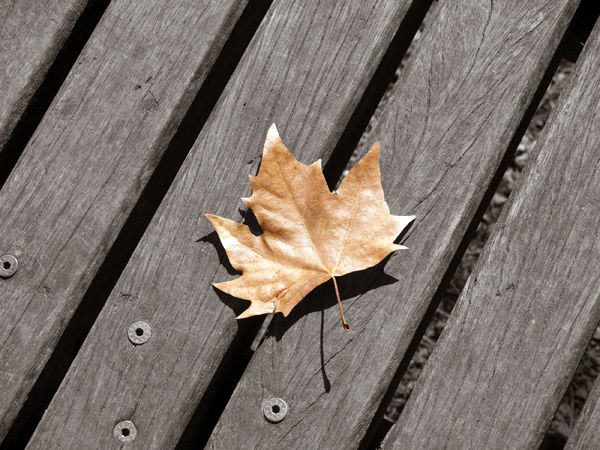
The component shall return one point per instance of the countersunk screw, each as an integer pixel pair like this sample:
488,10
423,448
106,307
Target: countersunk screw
139,332
8,266
274,409
125,431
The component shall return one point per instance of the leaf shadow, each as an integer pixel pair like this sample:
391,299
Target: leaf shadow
323,297
326,382
213,239
250,220
405,233
237,305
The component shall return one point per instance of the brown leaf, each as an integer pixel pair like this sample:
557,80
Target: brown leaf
310,235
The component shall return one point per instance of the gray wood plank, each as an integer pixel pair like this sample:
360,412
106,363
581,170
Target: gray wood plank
532,303
586,434
82,171
306,69
31,35
443,134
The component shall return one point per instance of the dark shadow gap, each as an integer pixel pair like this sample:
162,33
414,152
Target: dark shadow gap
374,92
580,30
574,399
128,238
229,372
53,80
380,426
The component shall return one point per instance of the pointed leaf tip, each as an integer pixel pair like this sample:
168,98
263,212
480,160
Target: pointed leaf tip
257,308
272,134
375,147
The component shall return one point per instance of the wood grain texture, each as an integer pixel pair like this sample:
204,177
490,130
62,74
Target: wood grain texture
31,35
82,171
532,303
306,69
443,134
586,434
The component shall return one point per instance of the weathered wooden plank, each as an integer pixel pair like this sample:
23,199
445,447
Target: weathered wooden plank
586,434
306,69
87,163
31,35
531,305
443,135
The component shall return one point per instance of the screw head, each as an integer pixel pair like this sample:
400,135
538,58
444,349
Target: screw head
274,409
125,431
139,332
8,266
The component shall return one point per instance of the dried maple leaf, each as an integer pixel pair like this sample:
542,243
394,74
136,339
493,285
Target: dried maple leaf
310,235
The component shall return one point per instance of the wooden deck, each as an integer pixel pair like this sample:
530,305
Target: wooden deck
123,122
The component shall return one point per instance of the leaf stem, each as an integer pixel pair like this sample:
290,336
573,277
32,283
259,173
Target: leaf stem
337,293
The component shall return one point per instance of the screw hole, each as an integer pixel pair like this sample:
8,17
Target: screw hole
6,265
125,432
275,409
139,331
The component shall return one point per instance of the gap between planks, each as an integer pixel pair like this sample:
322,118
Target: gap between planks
41,68
586,434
